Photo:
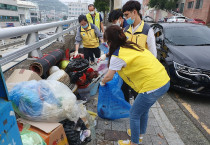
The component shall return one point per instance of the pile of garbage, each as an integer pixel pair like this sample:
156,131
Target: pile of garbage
49,99
45,99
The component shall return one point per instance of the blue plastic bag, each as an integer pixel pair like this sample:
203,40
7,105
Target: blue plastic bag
104,48
28,98
111,102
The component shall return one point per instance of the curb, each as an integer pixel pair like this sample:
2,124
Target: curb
168,130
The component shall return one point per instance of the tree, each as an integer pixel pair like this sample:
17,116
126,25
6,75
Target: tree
102,6
163,4
65,17
111,5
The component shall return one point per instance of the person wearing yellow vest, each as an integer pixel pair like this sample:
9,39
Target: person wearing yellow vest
95,18
89,35
138,31
142,72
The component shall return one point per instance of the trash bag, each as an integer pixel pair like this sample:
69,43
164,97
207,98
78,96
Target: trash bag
102,67
77,64
31,138
104,48
74,132
111,102
45,100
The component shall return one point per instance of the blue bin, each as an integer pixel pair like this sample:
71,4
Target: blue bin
9,132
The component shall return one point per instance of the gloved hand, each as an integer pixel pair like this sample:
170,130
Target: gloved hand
102,84
102,58
75,53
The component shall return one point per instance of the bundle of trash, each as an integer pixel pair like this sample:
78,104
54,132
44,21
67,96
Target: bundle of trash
44,100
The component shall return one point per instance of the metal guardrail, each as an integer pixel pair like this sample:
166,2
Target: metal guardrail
33,44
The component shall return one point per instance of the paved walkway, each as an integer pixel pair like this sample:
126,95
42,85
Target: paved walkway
159,131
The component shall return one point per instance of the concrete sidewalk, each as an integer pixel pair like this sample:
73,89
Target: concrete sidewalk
159,130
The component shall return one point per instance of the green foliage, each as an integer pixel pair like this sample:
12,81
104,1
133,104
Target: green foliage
102,5
170,5
65,17
163,4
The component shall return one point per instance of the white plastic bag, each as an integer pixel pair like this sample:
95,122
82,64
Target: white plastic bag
45,100
102,67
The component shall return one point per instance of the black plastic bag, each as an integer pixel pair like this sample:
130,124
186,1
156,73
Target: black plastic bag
73,130
77,64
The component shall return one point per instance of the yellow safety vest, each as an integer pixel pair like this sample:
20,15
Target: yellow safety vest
140,36
97,21
89,38
143,72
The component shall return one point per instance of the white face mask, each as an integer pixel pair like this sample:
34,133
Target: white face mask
118,23
92,12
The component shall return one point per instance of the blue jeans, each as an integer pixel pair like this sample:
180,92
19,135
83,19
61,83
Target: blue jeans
140,109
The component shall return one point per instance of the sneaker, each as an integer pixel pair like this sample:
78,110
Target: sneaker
124,142
129,134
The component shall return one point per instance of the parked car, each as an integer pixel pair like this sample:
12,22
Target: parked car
184,50
196,21
50,33
148,19
176,19
161,20
42,36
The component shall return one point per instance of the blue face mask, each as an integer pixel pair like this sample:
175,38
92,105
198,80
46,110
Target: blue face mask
85,26
130,21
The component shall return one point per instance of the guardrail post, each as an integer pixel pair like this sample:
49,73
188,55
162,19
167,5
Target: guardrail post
33,38
59,29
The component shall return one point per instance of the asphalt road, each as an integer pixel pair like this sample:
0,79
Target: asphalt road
190,116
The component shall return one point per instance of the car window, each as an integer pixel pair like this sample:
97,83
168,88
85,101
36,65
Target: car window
190,20
180,17
188,36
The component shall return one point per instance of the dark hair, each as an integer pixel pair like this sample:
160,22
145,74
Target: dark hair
115,35
82,17
131,5
91,5
115,14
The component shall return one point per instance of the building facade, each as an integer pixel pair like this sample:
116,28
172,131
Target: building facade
180,6
197,9
77,8
9,13
28,12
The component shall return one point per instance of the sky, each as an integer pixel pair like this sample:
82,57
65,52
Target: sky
91,1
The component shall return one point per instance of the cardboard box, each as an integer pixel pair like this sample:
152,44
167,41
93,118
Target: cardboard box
9,132
22,75
52,133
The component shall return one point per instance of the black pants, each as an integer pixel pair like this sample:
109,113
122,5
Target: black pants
128,92
88,53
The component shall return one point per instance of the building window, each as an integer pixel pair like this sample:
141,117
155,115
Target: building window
8,7
190,5
9,18
199,4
